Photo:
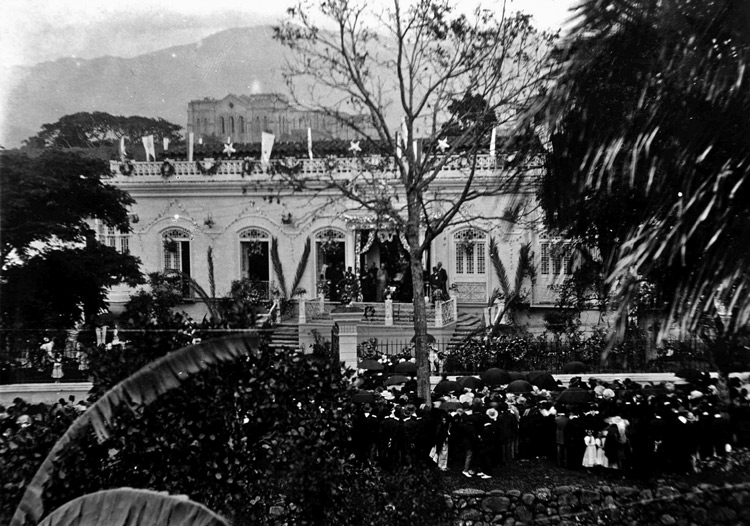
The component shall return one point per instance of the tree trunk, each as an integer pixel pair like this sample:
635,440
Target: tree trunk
420,309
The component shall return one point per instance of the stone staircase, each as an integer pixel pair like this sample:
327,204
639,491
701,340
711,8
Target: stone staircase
286,336
465,326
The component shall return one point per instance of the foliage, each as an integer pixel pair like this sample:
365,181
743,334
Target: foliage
138,390
54,270
648,160
513,297
439,71
88,130
278,268
301,266
116,506
348,288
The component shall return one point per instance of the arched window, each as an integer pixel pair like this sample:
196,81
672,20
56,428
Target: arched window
231,125
330,258
255,264
222,125
176,251
197,125
470,248
242,125
205,125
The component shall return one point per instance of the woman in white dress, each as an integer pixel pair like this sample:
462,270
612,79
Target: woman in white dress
589,457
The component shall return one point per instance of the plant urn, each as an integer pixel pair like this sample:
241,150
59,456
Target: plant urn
347,313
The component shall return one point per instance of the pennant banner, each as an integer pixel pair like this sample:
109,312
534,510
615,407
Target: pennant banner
123,154
399,153
309,143
148,146
493,138
165,141
191,138
266,146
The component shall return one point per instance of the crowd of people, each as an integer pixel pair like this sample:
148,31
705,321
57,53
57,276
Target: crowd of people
621,426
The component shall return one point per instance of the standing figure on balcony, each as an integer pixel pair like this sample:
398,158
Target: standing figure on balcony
442,279
381,284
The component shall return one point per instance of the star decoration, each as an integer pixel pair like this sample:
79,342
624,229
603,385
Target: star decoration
443,145
229,149
354,147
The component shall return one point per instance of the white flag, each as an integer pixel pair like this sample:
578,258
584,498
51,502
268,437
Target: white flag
266,146
309,143
165,142
404,133
191,138
148,146
399,153
492,143
123,154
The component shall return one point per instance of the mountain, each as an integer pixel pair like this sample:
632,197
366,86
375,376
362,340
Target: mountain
159,84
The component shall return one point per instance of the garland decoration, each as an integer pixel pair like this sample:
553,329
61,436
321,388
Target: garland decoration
167,169
247,166
289,166
331,163
127,167
375,163
211,169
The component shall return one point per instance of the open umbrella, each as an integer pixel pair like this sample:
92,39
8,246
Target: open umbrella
371,365
406,368
543,380
429,338
363,397
518,376
575,368
471,382
447,386
450,406
495,376
575,395
519,386
396,379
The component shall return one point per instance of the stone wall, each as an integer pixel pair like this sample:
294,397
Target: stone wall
618,505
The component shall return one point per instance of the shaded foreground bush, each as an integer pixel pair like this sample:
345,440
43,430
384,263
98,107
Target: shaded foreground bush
261,438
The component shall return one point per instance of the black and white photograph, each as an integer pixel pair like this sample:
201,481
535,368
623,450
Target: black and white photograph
375,263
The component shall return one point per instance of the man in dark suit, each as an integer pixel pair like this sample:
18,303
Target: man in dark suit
442,278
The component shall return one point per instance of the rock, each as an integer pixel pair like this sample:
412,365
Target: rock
449,502
496,493
469,493
588,496
625,491
565,510
646,494
567,499
559,490
722,514
609,502
496,504
275,511
543,494
667,491
523,514
513,494
528,499
510,521
699,515
605,490
667,519
471,514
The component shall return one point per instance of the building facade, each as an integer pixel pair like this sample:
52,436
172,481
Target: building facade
243,118
238,217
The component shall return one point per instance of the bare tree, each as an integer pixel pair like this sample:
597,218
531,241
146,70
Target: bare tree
424,86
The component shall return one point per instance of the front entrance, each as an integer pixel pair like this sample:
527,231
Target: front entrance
330,258
384,266
255,260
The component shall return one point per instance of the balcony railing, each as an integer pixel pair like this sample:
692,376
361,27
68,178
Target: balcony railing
239,169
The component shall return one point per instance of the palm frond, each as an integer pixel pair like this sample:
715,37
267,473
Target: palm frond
502,275
197,289
211,275
121,505
301,266
141,388
277,267
525,267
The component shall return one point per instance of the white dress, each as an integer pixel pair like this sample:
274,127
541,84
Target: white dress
589,457
601,458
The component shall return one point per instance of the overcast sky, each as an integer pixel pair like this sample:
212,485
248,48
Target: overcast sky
39,30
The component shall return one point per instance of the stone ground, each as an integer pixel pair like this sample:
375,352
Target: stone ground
528,475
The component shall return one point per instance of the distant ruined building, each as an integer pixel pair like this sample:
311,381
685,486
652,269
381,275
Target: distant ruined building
245,117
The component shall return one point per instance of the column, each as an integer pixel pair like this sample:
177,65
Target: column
302,318
389,312
348,342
